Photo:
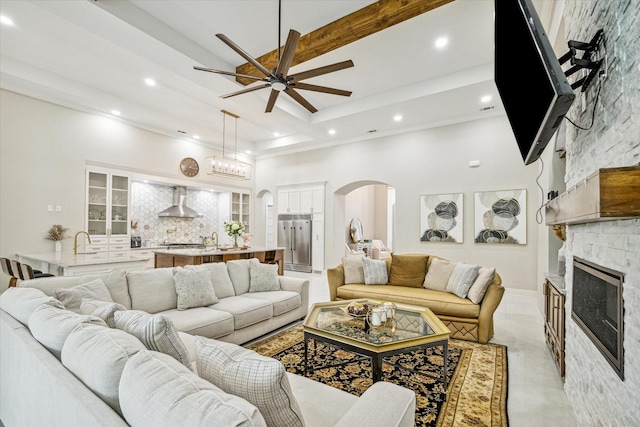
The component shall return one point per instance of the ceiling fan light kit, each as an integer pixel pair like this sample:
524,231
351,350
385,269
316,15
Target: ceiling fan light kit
229,167
278,79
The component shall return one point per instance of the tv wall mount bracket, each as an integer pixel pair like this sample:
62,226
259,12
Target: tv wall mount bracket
592,59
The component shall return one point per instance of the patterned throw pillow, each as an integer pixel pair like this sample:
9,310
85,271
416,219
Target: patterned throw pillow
353,269
102,309
462,278
486,276
408,270
260,380
194,288
263,277
155,331
72,297
375,271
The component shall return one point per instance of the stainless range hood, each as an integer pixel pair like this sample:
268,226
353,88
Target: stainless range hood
179,209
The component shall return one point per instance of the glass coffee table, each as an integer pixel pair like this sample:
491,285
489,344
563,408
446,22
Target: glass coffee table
413,328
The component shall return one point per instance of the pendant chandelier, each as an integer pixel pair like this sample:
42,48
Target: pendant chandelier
229,167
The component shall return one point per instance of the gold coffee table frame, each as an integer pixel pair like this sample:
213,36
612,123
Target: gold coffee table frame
415,328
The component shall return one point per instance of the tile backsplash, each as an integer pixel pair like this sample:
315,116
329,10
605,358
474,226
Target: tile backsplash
147,200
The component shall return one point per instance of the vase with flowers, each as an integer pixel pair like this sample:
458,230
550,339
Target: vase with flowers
57,233
234,229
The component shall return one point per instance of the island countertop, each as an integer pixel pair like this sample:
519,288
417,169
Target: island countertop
219,251
175,257
69,264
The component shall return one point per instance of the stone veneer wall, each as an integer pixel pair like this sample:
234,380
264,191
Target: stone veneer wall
149,199
597,394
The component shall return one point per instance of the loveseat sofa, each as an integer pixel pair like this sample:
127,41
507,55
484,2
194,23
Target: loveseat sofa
122,365
464,301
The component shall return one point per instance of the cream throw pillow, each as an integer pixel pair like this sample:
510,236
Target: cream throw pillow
260,380
486,275
102,309
375,271
462,278
194,288
155,331
353,269
72,297
263,277
437,277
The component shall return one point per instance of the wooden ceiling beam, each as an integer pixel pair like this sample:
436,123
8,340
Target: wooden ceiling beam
361,23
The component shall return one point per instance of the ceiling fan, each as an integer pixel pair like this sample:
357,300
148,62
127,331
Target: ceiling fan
278,79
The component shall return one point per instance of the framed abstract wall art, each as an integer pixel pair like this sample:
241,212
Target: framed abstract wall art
441,218
501,217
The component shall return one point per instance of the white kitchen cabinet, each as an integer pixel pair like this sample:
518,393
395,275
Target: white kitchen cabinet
107,211
303,199
235,206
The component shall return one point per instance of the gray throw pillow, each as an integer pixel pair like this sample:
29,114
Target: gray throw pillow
462,278
72,297
194,288
156,332
263,277
375,271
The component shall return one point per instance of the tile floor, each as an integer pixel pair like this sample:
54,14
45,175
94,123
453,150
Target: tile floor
535,394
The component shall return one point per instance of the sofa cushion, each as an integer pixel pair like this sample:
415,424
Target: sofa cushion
156,390
486,275
194,288
51,326
353,269
375,271
438,274
408,270
443,303
462,278
222,285
102,309
246,311
22,302
115,280
258,379
263,277
152,290
203,321
240,275
282,301
155,331
72,297
97,356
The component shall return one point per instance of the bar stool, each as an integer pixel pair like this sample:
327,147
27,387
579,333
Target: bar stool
30,273
6,269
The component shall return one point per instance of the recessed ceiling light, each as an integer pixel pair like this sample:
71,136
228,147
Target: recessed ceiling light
115,112
276,134
196,136
397,117
332,131
149,82
6,20
485,98
248,151
441,42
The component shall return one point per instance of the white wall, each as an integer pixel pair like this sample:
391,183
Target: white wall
431,161
43,153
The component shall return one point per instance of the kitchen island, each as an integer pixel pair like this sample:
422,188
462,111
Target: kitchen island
172,257
68,264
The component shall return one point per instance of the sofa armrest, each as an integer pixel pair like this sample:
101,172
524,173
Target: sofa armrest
488,306
382,405
296,284
335,277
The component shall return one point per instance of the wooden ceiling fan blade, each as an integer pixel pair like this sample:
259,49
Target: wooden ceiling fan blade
244,54
288,53
320,71
323,89
251,89
295,95
228,73
272,100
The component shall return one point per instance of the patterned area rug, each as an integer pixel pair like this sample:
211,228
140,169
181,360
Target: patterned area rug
477,377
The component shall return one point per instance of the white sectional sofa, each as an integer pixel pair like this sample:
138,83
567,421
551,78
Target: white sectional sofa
123,364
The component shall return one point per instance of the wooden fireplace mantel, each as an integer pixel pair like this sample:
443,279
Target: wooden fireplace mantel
607,194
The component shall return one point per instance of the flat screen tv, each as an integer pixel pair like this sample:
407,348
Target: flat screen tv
533,87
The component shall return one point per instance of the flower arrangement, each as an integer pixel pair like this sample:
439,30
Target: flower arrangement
234,228
56,233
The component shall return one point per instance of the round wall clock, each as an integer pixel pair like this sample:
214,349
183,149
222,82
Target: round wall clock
189,167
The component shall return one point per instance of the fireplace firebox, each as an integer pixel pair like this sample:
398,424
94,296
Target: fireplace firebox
597,307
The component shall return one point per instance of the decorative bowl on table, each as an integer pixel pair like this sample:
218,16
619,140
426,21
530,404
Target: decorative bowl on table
357,309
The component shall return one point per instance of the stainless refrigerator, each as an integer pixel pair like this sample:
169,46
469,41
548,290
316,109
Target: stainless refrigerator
294,234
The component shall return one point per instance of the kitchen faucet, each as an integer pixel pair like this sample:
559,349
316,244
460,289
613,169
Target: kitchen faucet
75,241
215,239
